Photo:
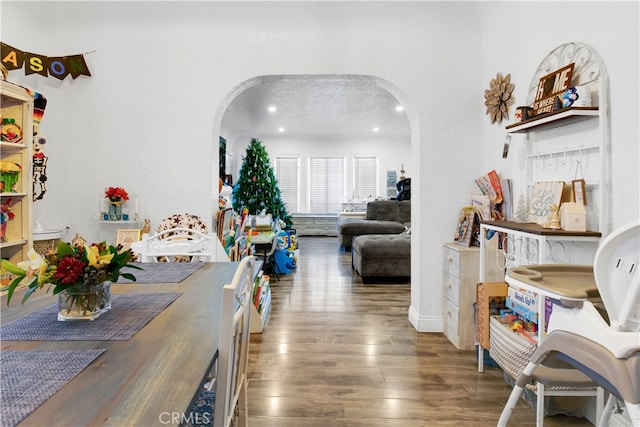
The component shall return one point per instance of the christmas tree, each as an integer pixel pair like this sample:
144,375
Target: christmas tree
257,188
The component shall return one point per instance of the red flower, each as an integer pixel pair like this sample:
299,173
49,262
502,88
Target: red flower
116,194
69,270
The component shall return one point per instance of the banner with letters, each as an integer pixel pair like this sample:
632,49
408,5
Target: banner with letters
33,63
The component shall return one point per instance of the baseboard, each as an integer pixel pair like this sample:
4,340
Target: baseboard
425,323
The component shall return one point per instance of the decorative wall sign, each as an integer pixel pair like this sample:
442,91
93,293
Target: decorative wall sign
550,86
33,63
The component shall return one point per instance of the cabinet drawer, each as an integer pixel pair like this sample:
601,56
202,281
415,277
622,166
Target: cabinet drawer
451,289
453,336
450,315
451,262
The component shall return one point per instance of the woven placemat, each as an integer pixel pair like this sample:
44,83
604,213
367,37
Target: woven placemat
29,378
162,272
129,313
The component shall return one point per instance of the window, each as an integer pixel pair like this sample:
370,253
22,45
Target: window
287,176
326,184
365,177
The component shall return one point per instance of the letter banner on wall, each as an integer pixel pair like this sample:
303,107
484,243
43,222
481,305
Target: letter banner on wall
55,66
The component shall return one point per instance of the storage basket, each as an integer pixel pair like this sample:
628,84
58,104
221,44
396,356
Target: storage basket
510,350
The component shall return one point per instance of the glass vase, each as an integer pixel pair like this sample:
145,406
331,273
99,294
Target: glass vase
115,211
86,304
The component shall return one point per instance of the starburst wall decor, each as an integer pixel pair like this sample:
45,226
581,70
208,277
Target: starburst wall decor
498,98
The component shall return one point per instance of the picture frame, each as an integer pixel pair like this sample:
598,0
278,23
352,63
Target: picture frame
544,195
465,227
579,191
127,236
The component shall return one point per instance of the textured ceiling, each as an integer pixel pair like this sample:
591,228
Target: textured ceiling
322,105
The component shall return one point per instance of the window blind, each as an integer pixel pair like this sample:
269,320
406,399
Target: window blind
365,178
326,184
287,176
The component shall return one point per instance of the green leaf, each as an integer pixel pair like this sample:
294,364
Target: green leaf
129,276
27,294
65,249
14,269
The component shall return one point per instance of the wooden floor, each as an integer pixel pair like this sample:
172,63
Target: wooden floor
336,352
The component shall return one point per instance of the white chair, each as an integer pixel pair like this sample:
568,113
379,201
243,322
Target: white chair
233,348
605,349
177,244
227,386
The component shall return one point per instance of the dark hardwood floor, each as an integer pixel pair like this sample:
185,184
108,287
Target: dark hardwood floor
336,352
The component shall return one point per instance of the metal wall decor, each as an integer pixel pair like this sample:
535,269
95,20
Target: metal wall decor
498,98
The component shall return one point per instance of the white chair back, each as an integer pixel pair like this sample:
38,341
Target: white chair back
177,244
617,275
233,348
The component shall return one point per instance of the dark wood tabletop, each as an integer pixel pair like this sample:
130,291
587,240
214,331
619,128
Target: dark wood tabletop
147,379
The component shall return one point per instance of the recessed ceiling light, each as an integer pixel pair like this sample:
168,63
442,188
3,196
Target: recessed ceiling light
376,129
272,109
280,129
399,108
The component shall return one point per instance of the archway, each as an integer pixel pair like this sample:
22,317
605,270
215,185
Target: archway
372,82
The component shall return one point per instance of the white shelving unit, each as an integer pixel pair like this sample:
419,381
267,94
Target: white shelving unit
16,103
567,144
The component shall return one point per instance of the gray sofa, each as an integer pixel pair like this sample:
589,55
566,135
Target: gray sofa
376,256
383,217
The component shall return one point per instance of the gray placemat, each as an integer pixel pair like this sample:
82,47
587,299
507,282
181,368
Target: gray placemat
30,377
162,272
129,313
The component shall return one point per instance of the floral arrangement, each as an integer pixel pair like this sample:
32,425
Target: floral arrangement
74,269
116,194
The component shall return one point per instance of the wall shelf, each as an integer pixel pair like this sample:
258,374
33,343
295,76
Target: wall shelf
558,117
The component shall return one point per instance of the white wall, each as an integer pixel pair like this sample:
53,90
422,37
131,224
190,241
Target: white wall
149,118
611,29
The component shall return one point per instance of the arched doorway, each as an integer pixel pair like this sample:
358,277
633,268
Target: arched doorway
283,86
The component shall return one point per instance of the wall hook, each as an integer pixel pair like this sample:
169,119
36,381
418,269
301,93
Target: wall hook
564,159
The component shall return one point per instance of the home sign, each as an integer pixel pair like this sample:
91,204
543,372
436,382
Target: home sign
550,86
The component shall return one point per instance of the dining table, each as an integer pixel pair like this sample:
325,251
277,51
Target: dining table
148,379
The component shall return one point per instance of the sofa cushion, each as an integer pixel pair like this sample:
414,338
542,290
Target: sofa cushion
404,211
369,226
383,210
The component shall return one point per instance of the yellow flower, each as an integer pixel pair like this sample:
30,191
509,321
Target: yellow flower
94,257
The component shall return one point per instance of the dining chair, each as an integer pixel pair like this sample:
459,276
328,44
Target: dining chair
226,388
177,244
599,340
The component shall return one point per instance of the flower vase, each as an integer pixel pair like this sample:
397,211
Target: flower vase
84,304
115,211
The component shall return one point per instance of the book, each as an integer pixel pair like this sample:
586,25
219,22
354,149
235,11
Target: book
507,199
482,204
490,186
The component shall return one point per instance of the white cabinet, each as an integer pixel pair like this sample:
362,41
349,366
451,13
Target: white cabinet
460,275
17,108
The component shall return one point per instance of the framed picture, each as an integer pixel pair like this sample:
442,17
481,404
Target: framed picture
126,237
464,228
579,191
544,195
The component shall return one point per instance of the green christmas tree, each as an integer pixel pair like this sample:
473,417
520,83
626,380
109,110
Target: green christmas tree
257,188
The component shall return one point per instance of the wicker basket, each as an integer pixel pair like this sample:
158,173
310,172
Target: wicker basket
510,350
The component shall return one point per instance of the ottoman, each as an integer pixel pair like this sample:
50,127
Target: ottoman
382,256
